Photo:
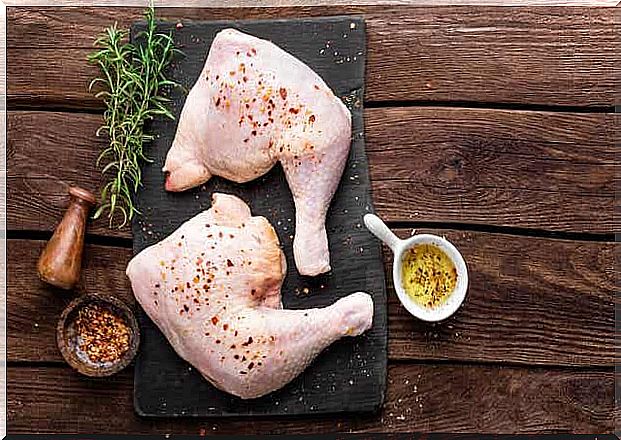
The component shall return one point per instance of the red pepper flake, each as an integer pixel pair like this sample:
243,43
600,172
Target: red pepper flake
245,78
311,118
295,111
217,77
218,101
246,140
243,359
247,106
229,263
218,341
235,332
316,86
251,365
232,72
220,234
186,308
253,292
237,53
225,327
248,342
254,51
214,320
253,132
283,93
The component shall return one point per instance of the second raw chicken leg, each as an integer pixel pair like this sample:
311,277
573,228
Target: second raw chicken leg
255,105
213,289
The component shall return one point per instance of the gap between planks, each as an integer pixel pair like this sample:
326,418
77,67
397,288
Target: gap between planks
465,105
127,242
392,361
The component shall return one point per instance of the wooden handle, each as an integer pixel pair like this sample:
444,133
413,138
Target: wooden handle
61,259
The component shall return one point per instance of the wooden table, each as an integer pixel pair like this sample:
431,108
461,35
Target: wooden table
493,126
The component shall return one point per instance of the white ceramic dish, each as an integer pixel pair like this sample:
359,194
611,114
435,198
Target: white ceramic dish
399,248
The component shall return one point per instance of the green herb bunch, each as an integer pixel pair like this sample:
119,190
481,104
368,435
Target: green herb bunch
133,80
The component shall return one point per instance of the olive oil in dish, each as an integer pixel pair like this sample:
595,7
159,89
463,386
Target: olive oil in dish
429,275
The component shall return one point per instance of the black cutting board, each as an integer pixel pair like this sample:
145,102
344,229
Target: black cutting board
349,376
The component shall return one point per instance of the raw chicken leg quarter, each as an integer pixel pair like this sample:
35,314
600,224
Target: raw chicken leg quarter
213,289
252,106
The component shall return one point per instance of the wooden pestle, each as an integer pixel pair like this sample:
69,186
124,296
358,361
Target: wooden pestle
61,259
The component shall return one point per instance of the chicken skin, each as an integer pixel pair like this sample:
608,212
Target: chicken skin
255,105
213,289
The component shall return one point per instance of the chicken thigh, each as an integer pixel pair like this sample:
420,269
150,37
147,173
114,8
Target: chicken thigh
252,106
213,289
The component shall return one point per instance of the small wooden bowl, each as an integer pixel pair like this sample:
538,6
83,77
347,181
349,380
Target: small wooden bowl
66,337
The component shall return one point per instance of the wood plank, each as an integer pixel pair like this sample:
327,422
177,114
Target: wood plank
285,3
31,322
539,170
427,398
530,301
37,186
531,55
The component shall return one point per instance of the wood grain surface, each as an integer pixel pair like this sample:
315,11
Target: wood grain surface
420,397
494,124
536,55
531,301
539,170
289,3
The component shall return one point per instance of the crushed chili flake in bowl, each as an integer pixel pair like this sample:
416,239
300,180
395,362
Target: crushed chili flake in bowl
98,335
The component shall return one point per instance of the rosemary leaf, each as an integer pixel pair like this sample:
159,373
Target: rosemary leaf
132,77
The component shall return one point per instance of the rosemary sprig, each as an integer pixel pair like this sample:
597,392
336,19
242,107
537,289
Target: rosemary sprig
132,80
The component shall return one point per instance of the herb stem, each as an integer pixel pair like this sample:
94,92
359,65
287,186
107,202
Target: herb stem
132,76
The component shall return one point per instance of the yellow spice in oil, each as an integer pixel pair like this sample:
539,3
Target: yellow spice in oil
428,274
